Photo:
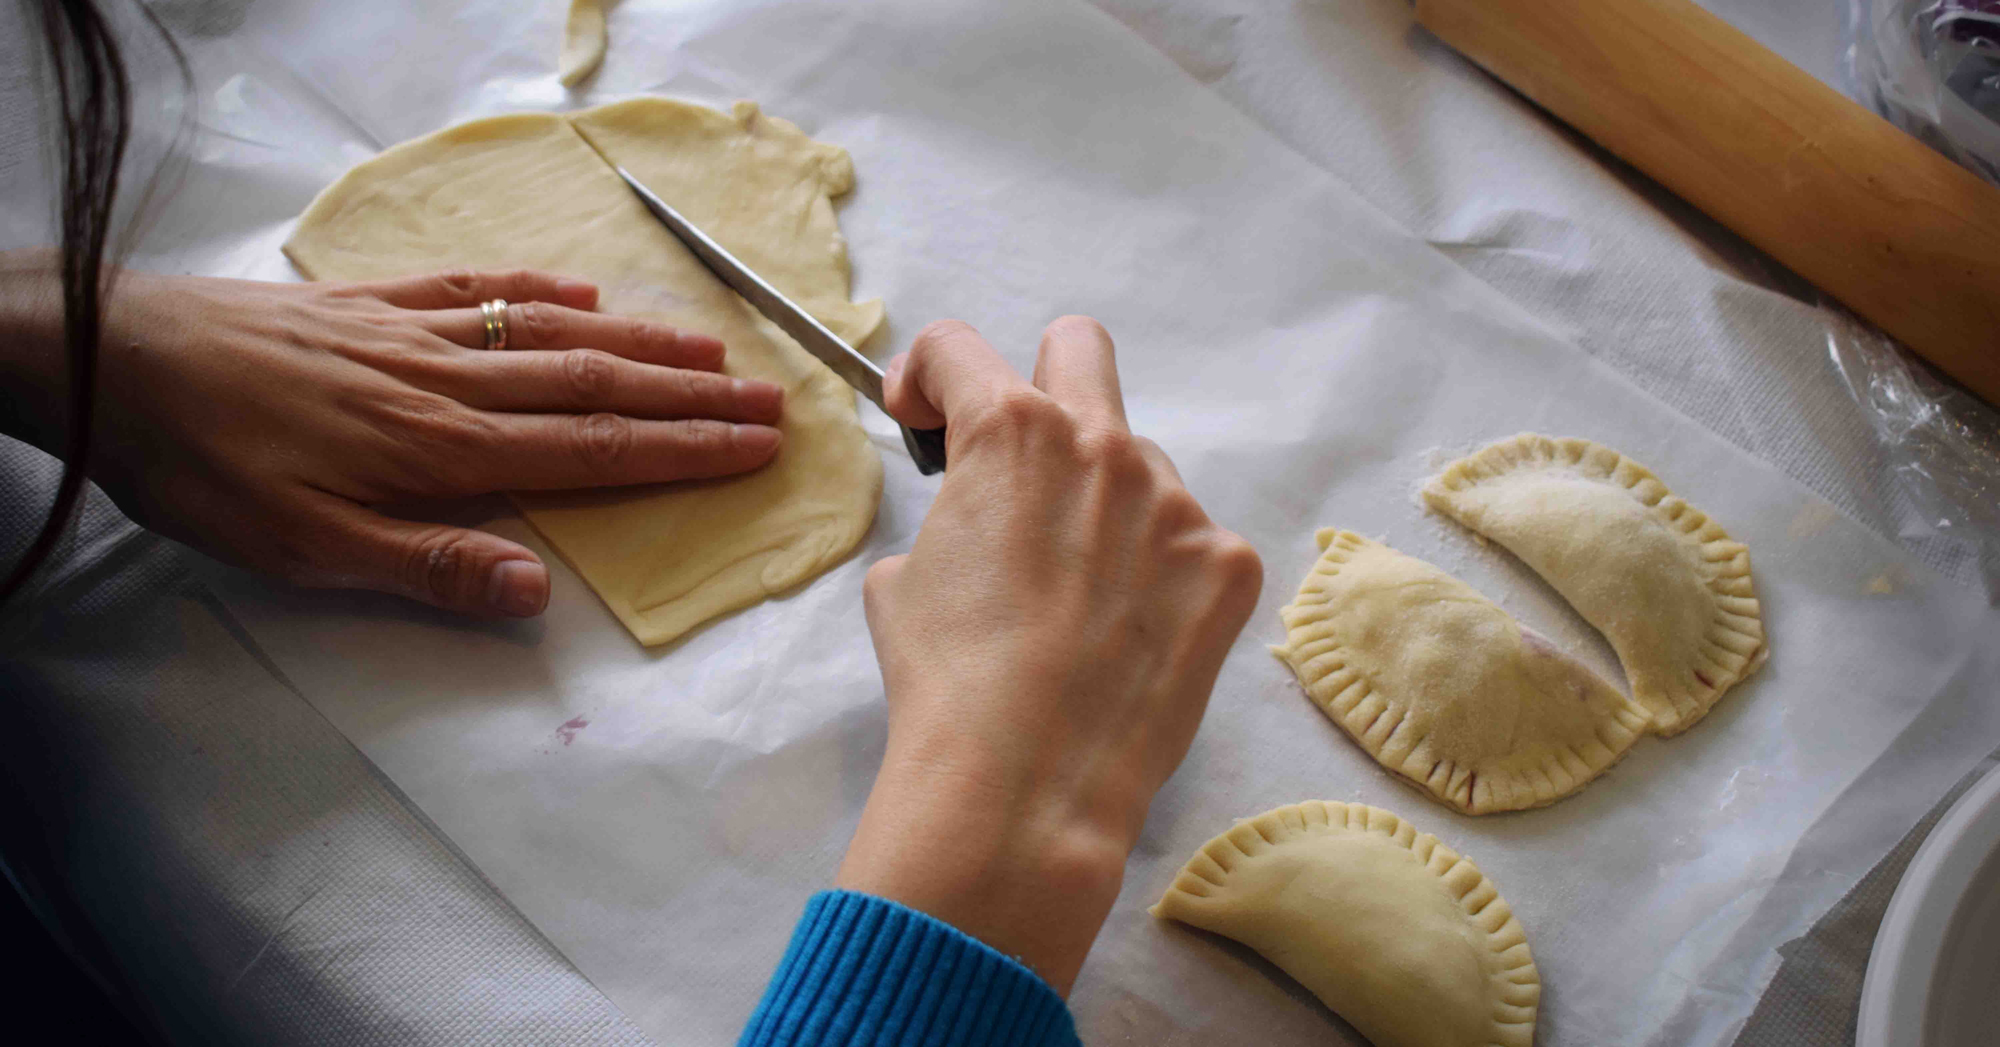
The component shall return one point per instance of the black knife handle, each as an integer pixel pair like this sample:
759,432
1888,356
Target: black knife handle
926,449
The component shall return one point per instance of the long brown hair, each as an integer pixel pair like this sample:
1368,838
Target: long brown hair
93,92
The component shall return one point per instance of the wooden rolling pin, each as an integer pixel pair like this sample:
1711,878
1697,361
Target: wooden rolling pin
1895,231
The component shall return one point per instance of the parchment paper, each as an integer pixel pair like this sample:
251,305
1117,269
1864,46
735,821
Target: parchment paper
662,815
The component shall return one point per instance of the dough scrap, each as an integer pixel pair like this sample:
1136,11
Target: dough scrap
531,191
1663,582
1443,687
1392,930
585,36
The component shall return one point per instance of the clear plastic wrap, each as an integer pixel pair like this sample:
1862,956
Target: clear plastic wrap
1941,444
1933,68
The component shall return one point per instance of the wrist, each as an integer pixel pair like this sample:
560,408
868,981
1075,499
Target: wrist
1028,871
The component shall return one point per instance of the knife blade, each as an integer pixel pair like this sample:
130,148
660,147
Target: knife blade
926,446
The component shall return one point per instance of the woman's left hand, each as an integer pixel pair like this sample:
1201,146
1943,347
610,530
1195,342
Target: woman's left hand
263,423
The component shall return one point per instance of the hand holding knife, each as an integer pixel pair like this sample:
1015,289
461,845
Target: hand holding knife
926,445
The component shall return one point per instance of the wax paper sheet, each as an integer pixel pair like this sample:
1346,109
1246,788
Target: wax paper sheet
662,815
1670,299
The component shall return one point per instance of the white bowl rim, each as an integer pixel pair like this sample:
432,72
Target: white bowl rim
1895,992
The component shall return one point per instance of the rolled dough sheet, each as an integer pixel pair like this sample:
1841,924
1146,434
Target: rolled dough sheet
531,191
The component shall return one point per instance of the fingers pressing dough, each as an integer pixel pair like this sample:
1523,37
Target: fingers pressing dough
1393,930
1443,687
536,191
1661,581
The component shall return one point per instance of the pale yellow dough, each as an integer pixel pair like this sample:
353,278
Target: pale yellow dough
1393,930
1442,686
585,37
1663,582
530,191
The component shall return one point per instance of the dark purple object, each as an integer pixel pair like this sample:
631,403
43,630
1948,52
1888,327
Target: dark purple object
1968,21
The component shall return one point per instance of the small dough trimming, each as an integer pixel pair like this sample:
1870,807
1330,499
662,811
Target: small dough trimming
585,37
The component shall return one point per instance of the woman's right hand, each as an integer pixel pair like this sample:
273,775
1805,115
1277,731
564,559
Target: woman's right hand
1048,646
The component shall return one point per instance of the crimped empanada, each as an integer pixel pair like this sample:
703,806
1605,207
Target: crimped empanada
1655,575
1393,930
1443,687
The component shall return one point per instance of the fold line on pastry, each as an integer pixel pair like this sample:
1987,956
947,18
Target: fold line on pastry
1662,580
1443,687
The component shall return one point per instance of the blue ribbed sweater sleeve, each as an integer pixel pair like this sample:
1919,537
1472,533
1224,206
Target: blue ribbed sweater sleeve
864,971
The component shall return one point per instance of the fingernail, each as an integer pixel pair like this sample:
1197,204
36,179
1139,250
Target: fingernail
518,587
576,291
759,397
895,372
757,439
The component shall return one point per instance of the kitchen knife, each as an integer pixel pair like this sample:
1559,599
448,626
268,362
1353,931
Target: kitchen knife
926,445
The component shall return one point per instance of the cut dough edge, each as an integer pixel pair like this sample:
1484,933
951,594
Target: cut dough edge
1513,981
601,128
1733,645
1382,724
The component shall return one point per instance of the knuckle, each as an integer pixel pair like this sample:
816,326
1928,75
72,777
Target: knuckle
440,562
1019,412
589,375
601,439
409,359
1236,560
938,334
1180,519
429,417
881,574
704,438
377,320
647,337
1180,509
540,323
437,439
460,281
1110,447
696,390
1115,457
878,585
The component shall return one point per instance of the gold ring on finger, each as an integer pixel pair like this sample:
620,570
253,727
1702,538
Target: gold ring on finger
494,312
